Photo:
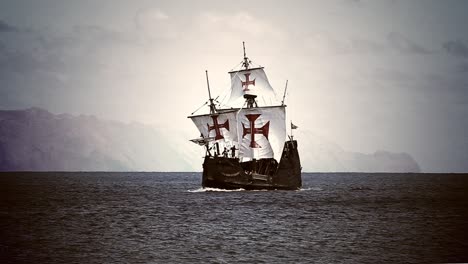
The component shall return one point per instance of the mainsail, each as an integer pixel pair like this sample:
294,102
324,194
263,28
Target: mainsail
262,132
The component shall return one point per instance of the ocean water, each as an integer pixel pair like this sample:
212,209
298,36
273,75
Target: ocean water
65,217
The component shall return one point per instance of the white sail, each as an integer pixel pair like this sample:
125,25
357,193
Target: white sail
251,81
220,126
262,132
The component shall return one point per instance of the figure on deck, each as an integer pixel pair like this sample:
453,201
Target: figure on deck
233,151
208,150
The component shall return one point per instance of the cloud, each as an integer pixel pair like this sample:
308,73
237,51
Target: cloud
463,68
19,62
457,48
98,36
404,44
30,52
4,27
241,23
150,15
76,70
328,44
352,2
155,24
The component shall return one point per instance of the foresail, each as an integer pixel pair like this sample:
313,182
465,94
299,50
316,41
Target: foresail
217,126
262,132
251,81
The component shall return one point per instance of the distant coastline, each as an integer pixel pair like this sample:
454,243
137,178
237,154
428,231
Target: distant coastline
37,140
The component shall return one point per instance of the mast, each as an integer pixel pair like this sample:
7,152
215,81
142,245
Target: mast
249,98
246,61
212,105
292,136
284,95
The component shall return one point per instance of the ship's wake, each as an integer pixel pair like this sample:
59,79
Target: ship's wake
208,189
310,189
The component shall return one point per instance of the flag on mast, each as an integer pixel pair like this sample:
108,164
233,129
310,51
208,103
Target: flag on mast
293,126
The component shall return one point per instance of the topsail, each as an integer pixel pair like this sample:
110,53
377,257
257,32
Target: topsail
253,82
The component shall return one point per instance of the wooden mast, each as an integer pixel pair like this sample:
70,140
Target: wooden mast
212,105
284,95
245,63
249,98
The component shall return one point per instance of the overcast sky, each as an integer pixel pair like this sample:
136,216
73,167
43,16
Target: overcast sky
368,75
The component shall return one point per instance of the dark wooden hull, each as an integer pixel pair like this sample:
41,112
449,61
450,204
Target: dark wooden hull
263,174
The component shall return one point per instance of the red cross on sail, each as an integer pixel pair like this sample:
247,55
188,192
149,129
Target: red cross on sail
217,127
252,130
247,82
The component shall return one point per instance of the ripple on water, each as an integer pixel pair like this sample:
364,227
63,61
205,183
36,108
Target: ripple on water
159,218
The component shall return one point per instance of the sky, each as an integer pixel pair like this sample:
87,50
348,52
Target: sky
369,75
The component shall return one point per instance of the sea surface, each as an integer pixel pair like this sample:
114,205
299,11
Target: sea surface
66,217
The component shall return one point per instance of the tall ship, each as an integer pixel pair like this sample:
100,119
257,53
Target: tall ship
245,138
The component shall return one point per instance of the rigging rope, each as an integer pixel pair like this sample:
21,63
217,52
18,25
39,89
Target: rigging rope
199,107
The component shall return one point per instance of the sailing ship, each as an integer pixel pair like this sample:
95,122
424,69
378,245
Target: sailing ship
245,137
